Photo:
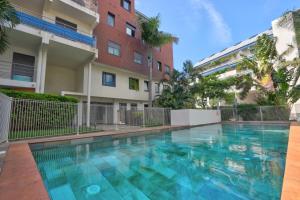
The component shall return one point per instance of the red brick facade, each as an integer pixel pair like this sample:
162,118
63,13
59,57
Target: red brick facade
129,45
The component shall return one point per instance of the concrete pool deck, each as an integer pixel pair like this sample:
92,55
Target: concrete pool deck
20,178
291,182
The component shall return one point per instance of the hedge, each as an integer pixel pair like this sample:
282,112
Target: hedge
35,96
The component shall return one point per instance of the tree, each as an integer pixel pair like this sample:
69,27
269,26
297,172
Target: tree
274,78
212,87
8,20
153,38
178,94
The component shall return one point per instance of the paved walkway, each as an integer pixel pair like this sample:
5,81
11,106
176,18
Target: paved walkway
291,182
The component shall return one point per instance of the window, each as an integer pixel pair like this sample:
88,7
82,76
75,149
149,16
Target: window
146,86
23,67
158,49
126,4
108,79
130,30
165,87
138,58
159,66
65,24
134,84
167,69
114,48
133,106
111,19
157,88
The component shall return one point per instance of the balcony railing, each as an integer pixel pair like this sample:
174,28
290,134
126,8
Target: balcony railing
90,4
55,29
17,71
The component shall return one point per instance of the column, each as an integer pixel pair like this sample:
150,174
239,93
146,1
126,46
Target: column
41,69
116,109
89,80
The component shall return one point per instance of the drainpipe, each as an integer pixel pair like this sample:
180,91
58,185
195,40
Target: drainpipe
88,110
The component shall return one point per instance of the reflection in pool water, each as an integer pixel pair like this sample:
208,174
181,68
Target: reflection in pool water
210,162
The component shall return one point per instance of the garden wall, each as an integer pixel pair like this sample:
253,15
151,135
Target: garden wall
194,117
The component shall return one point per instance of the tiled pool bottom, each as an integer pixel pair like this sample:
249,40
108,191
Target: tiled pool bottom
211,162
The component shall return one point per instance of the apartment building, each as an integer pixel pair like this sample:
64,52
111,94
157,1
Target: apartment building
285,31
120,73
89,49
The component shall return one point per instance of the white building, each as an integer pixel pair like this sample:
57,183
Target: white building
285,31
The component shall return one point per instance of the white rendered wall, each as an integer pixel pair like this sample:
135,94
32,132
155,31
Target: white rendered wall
194,117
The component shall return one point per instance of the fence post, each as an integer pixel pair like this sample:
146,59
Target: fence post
143,117
163,116
79,114
261,114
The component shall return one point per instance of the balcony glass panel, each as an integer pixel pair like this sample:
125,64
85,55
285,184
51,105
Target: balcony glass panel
55,29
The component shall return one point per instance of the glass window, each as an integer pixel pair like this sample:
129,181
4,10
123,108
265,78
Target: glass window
157,88
114,48
134,84
111,19
126,4
167,69
159,66
108,79
23,67
146,86
133,106
65,24
130,30
138,58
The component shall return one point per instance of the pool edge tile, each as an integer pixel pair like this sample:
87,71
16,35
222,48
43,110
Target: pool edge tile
291,182
20,178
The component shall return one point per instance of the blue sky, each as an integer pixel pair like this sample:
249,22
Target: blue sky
208,26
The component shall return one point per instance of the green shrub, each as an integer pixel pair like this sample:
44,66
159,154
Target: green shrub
35,96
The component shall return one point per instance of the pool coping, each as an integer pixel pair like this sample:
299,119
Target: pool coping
291,181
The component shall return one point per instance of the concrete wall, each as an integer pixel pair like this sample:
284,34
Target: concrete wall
194,117
284,31
60,79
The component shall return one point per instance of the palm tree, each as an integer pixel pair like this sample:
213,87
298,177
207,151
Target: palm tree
8,20
274,77
153,38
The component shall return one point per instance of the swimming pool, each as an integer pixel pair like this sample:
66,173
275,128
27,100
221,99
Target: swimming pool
210,162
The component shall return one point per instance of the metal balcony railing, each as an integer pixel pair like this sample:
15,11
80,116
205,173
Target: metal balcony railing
17,71
58,30
90,4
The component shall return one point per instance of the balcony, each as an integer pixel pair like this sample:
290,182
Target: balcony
17,75
90,4
58,30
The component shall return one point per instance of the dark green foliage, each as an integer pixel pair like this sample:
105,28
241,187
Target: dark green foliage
35,96
179,94
8,20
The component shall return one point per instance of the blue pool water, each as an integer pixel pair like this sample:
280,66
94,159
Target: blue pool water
211,162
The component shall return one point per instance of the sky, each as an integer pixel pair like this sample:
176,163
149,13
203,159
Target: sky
205,27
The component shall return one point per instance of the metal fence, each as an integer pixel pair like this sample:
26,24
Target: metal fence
23,118
33,119
5,106
256,113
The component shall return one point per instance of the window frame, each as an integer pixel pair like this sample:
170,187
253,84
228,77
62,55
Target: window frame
111,16
111,47
169,69
131,28
157,89
138,84
66,24
105,83
136,60
148,88
159,66
123,5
